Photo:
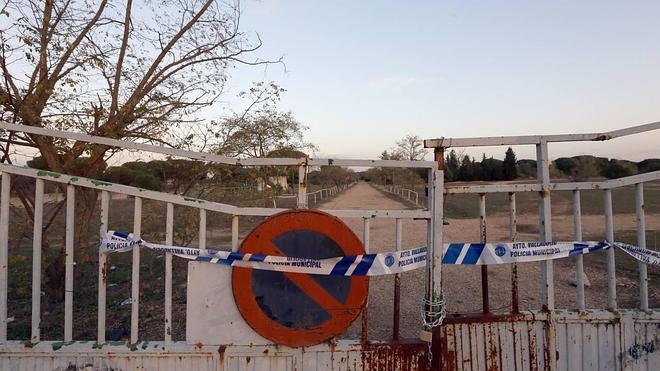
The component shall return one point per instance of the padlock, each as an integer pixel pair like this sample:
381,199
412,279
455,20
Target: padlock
426,336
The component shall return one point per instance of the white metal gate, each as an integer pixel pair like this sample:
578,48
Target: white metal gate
547,338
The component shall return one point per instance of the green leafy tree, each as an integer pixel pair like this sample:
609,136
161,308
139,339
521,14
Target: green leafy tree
619,169
527,168
567,165
648,165
509,166
492,169
451,166
466,172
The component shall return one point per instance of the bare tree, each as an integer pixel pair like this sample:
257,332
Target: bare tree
410,147
122,69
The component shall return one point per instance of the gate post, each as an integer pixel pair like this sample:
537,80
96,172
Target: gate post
434,272
437,220
545,235
302,185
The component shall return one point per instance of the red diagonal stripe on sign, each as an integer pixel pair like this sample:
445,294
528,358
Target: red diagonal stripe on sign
306,283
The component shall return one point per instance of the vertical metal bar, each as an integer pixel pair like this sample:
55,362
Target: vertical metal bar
103,269
641,242
68,281
484,268
135,272
436,202
434,282
169,240
202,231
397,285
302,186
430,185
5,189
545,224
545,235
365,311
579,259
36,258
234,233
609,231
513,235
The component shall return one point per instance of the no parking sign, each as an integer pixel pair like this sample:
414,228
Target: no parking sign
298,309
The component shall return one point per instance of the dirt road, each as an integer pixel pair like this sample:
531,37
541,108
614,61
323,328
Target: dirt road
462,284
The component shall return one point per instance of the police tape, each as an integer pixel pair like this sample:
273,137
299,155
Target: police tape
518,252
385,263
354,265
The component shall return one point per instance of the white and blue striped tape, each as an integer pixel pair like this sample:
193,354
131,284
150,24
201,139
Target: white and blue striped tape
385,263
354,265
517,252
514,252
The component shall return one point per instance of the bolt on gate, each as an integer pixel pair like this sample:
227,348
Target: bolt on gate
547,338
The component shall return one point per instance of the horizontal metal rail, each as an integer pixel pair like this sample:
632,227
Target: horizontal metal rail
210,157
405,193
537,187
198,203
537,139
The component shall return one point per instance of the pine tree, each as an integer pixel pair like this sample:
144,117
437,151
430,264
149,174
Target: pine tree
509,166
451,166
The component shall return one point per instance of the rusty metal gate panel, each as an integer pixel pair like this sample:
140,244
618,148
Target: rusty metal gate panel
85,355
497,343
595,340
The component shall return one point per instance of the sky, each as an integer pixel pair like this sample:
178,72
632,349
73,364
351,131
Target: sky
362,74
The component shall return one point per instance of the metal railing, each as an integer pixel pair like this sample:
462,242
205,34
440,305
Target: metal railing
545,188
433,214
405,193
107,189
313,198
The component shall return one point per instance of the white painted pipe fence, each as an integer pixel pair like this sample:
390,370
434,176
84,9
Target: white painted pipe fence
317,196
432,213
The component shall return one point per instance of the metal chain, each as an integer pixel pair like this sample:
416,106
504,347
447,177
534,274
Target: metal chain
433,313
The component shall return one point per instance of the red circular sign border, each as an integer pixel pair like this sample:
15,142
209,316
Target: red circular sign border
341,318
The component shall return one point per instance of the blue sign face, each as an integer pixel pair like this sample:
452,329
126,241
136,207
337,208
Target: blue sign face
389,260
500,250
284,301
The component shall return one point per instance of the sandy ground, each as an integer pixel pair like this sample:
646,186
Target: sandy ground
462,284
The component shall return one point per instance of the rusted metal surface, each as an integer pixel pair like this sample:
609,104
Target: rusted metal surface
297,309
366,233
400,357
397,308
484,268
397,285
595,340
513,234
